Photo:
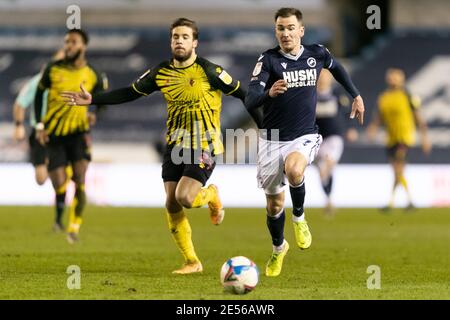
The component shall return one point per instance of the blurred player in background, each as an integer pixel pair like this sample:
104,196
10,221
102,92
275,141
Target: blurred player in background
38,153
332,122
192,87
64,130
398,111
284,83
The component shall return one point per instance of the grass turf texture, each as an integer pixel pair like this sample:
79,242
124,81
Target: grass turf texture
128,253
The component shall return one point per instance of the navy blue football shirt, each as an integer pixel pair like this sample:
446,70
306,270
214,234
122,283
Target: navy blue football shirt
292,112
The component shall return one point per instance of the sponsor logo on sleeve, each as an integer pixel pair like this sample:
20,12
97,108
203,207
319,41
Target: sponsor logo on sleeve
257,69
225,77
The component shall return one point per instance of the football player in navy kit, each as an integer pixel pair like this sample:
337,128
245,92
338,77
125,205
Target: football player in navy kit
284,84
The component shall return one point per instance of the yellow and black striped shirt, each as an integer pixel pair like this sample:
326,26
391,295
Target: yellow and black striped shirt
396,108
62,119
194,101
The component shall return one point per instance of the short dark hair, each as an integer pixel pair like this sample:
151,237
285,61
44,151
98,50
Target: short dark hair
83,34
185,22
287,12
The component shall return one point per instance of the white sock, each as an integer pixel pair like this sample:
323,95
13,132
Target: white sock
298,219
277,215
299,185
279,249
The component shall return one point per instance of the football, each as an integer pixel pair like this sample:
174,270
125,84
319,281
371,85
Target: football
239,275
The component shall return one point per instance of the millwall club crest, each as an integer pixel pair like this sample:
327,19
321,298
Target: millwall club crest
311,62
284,65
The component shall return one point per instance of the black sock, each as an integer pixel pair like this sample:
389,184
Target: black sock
276,228
298,198
60,205
328,185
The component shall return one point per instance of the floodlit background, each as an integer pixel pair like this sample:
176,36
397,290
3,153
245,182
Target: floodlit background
126,251
129,36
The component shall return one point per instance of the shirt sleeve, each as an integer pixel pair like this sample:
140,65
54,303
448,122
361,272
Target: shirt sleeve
339,73
102,83
257,93
44,84
146,83
26,95
220,79
45,81
100,86
414,101
328,57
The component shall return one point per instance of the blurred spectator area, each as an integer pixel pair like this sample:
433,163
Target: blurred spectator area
130,36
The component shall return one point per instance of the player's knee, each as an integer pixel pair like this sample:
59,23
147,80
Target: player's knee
41,174
295,175
172,205
274,207
78,179
40,179
57,183
184,198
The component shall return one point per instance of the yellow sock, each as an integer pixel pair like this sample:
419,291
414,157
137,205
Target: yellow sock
402,181
62,189
182,234
74,220
73,226
202,198
76,208
69,173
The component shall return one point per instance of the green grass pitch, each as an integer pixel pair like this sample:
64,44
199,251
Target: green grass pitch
128,253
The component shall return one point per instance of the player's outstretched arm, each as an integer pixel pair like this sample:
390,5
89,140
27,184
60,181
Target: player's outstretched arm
23,101
41,135
358,109
255,114
84,98
341,76
223,81
19,117
257,93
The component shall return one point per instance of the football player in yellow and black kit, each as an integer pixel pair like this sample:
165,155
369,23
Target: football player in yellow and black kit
399,112
192,87
65,129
